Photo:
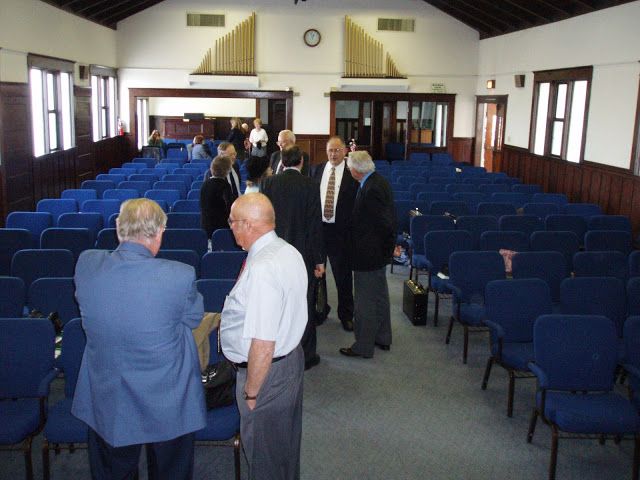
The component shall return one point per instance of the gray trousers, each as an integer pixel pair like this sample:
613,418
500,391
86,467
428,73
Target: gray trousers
372,314
272,431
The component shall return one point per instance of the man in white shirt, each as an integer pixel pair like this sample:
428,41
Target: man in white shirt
263,319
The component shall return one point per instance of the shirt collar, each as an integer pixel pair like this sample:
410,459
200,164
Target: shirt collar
260,243
364,179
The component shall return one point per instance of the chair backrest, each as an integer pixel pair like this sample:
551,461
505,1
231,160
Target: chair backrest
632,340
497,209
476,225
428,197
472,199
551,267
185,239
516,199
222,265
422,224
121,194
446,180
112,220
13,297
107,239
456,209
189,257
183,220
57,206
477,181
151,177
140,186
57,294
178,177
12,240
586,210
134,166
489,188
119,171
34,222
75,239
171,185
460,187
577,352
440,244
609,222
595,296
168,165
471,271
526,224
567,223
169,196
26,356
80,194
633,296
149,162
196,184
32,264
115,178
214,293
223,240
526,188
563,242
602,240
98,185
90,220
106,208
559,199
515,305
193,195
186,206
634,263
402,195
601,264
508,240
541,210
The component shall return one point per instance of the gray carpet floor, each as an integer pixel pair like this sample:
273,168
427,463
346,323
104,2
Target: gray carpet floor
415,412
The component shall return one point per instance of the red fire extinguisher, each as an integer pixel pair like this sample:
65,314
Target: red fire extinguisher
120,127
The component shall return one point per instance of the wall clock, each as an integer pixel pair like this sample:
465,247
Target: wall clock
312,37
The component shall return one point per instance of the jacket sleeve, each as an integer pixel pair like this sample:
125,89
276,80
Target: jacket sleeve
194,305
315,225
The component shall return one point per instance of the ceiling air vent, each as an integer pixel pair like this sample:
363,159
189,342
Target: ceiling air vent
396,24
204,20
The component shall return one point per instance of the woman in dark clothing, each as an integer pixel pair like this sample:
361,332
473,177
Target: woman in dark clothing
237,136
216,197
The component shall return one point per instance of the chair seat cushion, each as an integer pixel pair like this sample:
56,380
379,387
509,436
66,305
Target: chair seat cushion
222,424
418,260
62,427
607,413
517,355
18,419
440,285
471,314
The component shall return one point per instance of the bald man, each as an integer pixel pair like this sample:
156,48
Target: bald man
263,319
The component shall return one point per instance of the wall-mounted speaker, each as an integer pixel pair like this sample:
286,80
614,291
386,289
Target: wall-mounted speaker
83,72
519,80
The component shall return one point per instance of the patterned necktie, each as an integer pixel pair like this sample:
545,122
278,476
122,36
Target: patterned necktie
329,197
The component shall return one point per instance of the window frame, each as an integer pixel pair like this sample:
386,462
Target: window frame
635,145
557,78
103,105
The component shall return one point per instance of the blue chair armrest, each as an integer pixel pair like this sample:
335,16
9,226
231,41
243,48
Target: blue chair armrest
457,293
429,265
43,388
496,328
632,370
543,381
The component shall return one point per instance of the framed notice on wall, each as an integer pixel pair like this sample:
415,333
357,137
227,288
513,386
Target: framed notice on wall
438,88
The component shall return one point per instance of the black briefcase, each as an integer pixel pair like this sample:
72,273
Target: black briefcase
414,302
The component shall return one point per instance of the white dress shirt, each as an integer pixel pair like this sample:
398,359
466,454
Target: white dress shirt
268,302
232,176
324,182
258,136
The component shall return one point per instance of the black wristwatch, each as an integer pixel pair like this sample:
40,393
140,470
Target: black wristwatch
247,397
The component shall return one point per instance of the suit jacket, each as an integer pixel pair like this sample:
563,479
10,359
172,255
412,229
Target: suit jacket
139,380
275,160
344,205
215,204
296,201
374,225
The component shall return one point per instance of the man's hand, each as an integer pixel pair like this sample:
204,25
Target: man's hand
319,270
251,404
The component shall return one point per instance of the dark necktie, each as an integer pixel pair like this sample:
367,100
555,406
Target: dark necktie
232,181
329,197
280,165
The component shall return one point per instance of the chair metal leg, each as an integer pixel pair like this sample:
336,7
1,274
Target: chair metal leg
236,455
465,347
45,460
449,330
554,452
28,464
487,372
435,313
532,425
512,385
636,458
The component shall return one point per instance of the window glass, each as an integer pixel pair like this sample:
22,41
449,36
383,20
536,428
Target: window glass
37,109
67,126
541,120
561,102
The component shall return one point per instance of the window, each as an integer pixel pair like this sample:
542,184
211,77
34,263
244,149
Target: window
142,112
51,82
103,102
559,117
429,123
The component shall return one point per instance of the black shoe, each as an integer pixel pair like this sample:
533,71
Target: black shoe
347,325
348,352
385,348
312,362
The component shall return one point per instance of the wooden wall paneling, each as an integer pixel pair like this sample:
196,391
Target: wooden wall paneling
461,149
614,194
84,162
314,145
603,193
626,195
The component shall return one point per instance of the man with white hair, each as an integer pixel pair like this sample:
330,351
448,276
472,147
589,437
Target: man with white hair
373,238
287,139
139,381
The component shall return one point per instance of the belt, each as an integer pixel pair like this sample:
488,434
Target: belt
273,360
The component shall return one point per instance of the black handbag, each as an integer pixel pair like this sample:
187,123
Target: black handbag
219,382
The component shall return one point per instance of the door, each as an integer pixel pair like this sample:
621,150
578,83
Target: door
490,123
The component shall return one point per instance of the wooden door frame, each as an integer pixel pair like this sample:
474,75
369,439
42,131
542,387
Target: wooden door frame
498,100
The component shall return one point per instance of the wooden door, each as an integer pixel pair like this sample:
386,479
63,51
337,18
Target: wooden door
490,123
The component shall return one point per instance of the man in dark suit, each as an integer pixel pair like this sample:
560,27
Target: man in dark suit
233,177
296,201
287,139
337,194
373,238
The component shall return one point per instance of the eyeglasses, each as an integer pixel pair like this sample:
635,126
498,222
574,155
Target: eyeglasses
230,221
335,150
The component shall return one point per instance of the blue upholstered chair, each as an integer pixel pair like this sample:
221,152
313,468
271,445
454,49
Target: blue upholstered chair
171,185
476,225
471,199
497,209
54,294
193,195
148,162
634,264
189,257
528,188
34,222
90,220
147,175
26,356
420,226
511,309
223,240
183,220
186,206
575,359
80,194
139,186
121,194
106,208
56,207
107,239
497,240
222,265
564,242
135,167
469,273
586,210
601,264
185,239
214,292
98,185
77,240
526,224
113,177
602,240
633,296
12,240
185,178
490,188
609,222
542,210
32,264
567,223
632,356
454,208
13,297
559,199
516,199
551,267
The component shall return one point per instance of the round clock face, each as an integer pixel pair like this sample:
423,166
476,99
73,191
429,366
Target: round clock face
312,37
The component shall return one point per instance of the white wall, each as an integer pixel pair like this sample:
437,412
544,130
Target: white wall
211,107
156,49
609,40
32,26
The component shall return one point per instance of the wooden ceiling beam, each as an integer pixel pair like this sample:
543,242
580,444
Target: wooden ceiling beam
124,12
533,13
562,13
90,6
501,9
110,6
483,13
473,22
